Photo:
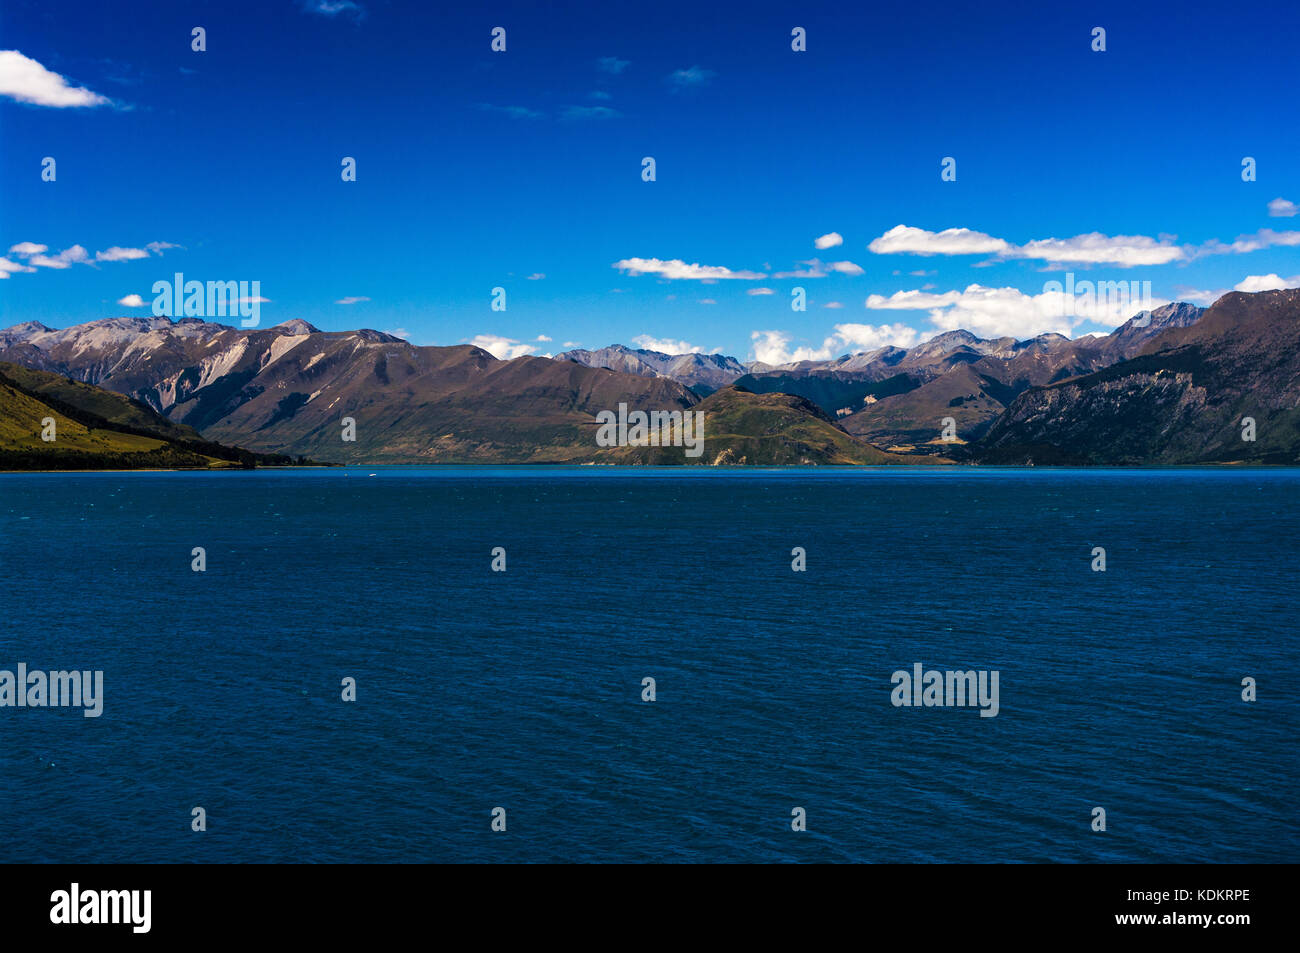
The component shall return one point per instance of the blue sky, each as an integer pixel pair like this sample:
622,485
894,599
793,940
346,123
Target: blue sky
478,169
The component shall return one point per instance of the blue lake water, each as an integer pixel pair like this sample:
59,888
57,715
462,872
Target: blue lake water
522,689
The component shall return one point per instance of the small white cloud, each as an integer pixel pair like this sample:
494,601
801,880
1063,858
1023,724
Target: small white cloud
503,349
69,256
589,112
1283,208
159,247
676,268
542,337
514,112
829,240
832,304
845,267
572,343
665,346
868,337
27,249
536,276
813,269
1264,238
773,347
334,8
760,291
690,78
352,299
905,239
1253,283
131,301
121,254
402,333
708,301
7,266
1197,296
27,81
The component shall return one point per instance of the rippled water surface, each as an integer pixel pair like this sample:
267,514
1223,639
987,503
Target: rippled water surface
522,689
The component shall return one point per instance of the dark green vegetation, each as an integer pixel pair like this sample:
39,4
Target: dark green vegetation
96,429
744,428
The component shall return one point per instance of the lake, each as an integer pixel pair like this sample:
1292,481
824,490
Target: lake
523,689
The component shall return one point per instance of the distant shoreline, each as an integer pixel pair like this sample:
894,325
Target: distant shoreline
693,469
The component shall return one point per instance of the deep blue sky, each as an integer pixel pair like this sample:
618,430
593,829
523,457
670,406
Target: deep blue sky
478,169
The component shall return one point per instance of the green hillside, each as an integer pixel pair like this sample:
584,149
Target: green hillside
96,429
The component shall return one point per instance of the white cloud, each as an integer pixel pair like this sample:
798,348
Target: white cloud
676,268
27,81
845,267
691,78
74,255
132,301
1098,249
760,291
1093,248
773,347
829,240
867,337
999,312
352,299
1269,282
1283,208
542,337
904,239
589,112
402,333
665,345
832,304
707,301
814,269
1197,296
503,349
536,276
514,112
6,266
1264,238
572,343
35,253
121,254
333,8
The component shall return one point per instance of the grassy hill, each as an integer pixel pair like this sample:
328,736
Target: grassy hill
744,428
96,429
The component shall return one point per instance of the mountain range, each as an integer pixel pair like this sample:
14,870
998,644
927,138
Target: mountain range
1165,387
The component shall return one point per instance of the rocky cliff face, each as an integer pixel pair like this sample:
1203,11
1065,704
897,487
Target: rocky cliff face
1190,396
